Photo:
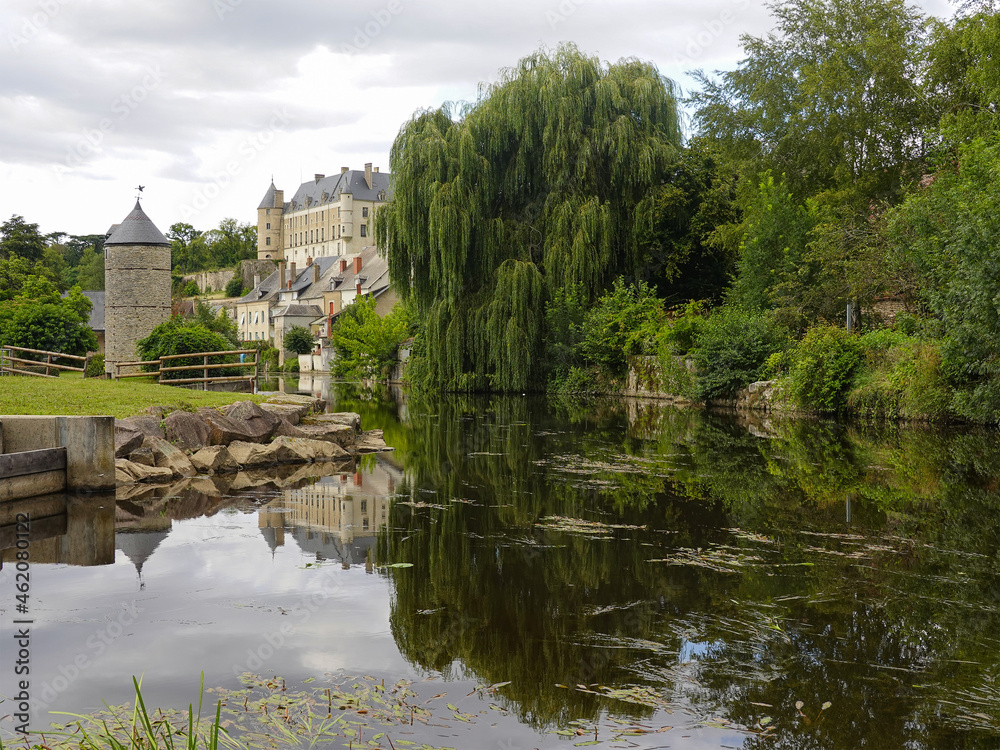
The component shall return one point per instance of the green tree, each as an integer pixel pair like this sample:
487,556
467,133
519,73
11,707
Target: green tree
185,336
235,287
623,322
16,272
90,272
299,340
831,97
543,183
366,343
18,237
36,317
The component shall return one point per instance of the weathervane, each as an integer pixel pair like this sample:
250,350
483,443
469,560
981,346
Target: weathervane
138,190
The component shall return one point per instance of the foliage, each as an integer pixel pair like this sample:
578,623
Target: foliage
564,313
193,250
184,336
365,344
16,272
623,322
950,230
38,318
219,323
18,237
822,367
541,184
680,335
95,367
234,288
90,272
299,340
831,97
190,289
732,348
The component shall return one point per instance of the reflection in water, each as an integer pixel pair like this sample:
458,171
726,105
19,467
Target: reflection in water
613,562
67,529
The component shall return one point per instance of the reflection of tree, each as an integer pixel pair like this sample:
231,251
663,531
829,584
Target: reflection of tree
885,614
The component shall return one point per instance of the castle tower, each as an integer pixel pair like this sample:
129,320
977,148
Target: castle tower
269,223
137,285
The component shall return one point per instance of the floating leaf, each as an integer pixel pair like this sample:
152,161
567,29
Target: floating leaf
826,705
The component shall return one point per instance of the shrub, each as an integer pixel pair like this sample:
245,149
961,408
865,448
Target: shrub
235,287
95,367
901,378
822,368
179,336
732,347
190,289
681,335
298,339
623,322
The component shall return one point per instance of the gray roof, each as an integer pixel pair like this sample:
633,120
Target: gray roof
97,311
269,196
297,311
328,189
136,229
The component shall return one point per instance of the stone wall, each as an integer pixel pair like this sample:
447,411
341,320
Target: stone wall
137,297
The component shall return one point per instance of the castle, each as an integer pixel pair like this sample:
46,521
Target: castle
327,216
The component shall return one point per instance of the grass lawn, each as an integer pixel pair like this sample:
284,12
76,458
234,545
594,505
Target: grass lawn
73,395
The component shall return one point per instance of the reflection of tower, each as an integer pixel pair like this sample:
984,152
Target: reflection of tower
272,527
138,546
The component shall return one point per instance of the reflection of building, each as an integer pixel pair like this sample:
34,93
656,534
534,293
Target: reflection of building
65,529
335,518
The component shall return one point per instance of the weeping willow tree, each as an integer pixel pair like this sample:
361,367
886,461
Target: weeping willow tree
544,183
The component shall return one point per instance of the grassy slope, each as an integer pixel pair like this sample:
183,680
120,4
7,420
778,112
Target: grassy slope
123,398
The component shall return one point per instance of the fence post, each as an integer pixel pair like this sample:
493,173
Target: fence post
205,373
48,361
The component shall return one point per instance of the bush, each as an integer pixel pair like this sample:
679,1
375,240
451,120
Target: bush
95,367
822,368
190,290
624,322
180,336
298,339
731,350
235,287
681,335
901,378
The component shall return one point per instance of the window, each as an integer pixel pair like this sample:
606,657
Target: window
364,212
364,230
268,212
243,319
268,225
267,240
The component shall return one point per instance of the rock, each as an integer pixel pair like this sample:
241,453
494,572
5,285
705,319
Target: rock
142,456
158,411
316,405
349,418
286,450
341,434
222,429
186,430
257,422
169,456
127,472
214,459
285,429
247,480
291,412
130,432
371,442
249,454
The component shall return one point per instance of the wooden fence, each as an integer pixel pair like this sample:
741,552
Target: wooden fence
11,363
163,367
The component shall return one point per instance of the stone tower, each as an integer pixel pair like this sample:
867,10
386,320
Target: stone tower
269,224
137,285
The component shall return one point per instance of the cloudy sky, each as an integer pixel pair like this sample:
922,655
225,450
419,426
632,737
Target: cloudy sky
202,101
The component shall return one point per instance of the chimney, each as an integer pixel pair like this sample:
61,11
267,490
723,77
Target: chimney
309,261
345,170
291,274
316,269
281,274
343,264
375,170
368,174
357,265
319,176
256,280
357,288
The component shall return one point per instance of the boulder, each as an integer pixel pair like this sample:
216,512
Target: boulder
249,454
349,418
371,442
142,456
130,432
128,472
291,412
331,432
186,430
214,459
286,429
169,456
288,450
317,405
222,429
257,422
247,480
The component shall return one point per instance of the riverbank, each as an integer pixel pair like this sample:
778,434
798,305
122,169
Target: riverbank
165,445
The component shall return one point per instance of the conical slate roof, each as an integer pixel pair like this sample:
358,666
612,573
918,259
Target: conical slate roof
269,196
137,229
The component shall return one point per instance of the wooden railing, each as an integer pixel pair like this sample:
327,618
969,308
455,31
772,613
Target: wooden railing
7,356
204,367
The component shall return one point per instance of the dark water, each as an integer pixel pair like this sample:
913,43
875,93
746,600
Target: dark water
663,578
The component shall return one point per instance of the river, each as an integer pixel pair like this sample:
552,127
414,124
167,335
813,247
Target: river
523,573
